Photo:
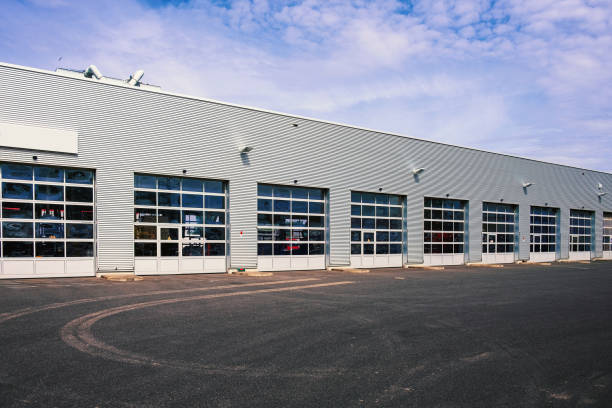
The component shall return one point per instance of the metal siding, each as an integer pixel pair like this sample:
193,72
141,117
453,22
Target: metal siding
124,130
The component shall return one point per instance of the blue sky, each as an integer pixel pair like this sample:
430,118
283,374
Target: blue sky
524,77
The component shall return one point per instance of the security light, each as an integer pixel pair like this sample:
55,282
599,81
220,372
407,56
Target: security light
416,171
600,186
527,184
245,149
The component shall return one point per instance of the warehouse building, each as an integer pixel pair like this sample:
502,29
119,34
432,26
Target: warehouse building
100,174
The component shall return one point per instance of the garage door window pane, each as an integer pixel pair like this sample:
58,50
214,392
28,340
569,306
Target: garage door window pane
49,193
215,217
80,249
79,194
142,249
17,249
169,249
168,216
193,250
141,181
214,187
17,190
168,183
215,249
215,202
145,232
17,230
48,174
16,210
79,231
79,212
50,249
145,215
169,199
79,176
49,230
192,185
16,172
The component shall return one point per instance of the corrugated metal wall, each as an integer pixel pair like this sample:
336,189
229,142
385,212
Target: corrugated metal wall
123,130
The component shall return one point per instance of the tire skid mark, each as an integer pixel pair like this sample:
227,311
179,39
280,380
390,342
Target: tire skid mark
78,334
29,310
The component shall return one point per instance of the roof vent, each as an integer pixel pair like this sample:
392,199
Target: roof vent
92,71
136,77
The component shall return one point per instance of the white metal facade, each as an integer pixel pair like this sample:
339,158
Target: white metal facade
124,130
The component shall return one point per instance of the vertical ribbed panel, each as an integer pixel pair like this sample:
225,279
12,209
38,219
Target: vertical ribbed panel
524,223
124,130
340,238
243,206
474,230
564,214
115,219
598,235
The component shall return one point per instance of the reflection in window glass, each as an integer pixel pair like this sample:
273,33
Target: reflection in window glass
46,192
169,199
79,231
215,202
16,172
165,216
192,201
17,229
192,185
17,190
79,176
213,187
168,183
142,181
145,198
48,174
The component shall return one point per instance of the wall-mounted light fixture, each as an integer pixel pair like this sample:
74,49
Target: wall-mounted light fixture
416,171
184,171
245,149
527,184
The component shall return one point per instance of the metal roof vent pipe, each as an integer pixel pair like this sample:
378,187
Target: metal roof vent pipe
92,70
135,77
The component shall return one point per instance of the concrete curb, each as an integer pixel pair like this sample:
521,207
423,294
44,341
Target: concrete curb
425,267
346,269
119,277
484,265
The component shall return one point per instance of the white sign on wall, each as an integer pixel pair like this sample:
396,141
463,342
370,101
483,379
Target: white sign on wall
39,138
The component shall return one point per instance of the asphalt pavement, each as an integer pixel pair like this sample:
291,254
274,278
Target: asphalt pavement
518,336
